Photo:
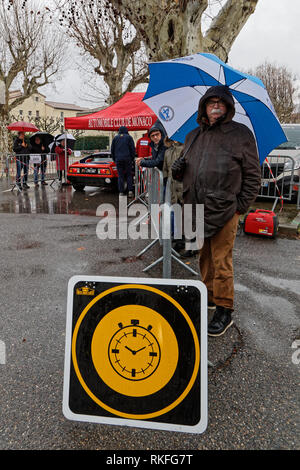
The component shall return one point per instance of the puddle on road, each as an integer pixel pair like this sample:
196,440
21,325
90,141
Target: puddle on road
292,285
50,200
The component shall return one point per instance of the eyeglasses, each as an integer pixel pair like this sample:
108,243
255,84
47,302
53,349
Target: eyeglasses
155,134
211,103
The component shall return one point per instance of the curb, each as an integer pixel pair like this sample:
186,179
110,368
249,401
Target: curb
290,228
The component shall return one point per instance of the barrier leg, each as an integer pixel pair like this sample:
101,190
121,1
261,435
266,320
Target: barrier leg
148,247
153,264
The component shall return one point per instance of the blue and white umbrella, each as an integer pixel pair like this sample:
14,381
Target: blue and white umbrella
177,85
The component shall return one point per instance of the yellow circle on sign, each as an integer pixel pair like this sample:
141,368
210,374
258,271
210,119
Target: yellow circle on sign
134,350
99,402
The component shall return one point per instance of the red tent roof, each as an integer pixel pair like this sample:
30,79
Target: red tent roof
129,111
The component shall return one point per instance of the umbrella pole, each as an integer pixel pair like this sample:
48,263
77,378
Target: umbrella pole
65,156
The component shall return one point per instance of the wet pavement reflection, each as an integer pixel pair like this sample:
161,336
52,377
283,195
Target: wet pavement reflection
54,200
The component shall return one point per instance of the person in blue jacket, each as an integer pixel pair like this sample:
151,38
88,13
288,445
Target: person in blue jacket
123,153
157,135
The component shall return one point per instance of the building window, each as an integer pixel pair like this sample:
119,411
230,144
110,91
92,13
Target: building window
37,113
36,98
62,116
21,112
29,113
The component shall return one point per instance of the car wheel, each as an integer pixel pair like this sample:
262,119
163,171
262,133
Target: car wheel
78,187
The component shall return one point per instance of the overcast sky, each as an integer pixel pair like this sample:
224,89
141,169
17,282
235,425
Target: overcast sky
272,33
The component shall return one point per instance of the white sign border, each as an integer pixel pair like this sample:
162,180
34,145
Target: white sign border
199,427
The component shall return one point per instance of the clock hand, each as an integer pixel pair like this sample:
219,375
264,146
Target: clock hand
140,349
133,352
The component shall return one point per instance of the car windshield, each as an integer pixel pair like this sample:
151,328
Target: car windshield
96,158
99,159
293,135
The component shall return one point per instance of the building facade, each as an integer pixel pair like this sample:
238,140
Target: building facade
37,106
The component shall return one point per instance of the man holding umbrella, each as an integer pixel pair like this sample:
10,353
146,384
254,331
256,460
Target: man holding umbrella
219,169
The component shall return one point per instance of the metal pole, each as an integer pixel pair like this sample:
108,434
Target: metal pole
65,157
166,233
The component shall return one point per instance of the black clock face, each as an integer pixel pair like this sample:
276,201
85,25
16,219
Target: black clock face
134,352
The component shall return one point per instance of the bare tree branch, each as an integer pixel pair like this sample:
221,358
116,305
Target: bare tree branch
101,31
226,26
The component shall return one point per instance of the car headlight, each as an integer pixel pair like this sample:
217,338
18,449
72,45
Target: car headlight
288,166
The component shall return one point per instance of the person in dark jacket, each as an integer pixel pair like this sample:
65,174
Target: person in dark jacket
21,150
39,149
219,169
157,135
123,153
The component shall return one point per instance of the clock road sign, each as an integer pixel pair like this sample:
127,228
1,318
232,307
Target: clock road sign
136,353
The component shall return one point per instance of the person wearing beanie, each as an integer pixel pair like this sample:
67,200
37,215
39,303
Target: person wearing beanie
220,169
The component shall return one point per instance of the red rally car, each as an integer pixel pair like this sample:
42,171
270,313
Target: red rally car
97,169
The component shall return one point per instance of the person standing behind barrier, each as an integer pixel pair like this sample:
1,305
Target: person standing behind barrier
21,150
157,135
143,147
39,149
61,160
172,153
123,154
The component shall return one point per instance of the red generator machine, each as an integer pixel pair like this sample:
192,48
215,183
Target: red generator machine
261,222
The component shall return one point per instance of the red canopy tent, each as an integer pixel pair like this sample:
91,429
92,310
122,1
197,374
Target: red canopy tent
129,111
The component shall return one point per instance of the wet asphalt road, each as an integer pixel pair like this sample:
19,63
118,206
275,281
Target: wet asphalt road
254,389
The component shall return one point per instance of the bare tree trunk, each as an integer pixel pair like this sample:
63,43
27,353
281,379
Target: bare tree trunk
173,28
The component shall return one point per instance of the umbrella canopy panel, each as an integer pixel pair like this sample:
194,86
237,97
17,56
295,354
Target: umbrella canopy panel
45,138
129,111
22,126
69,139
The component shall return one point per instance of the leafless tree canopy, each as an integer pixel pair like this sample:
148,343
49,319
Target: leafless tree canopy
281,86
100,31
31,53
113,33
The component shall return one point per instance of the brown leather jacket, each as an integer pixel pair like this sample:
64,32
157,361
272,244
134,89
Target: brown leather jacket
222,168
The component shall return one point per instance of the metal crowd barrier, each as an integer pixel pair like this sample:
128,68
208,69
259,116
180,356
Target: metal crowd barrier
279,179
151,191
31,168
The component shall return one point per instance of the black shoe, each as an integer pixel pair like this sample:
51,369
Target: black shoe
19,187
44,183
36,185
189,253
178,245
26,186
220,322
